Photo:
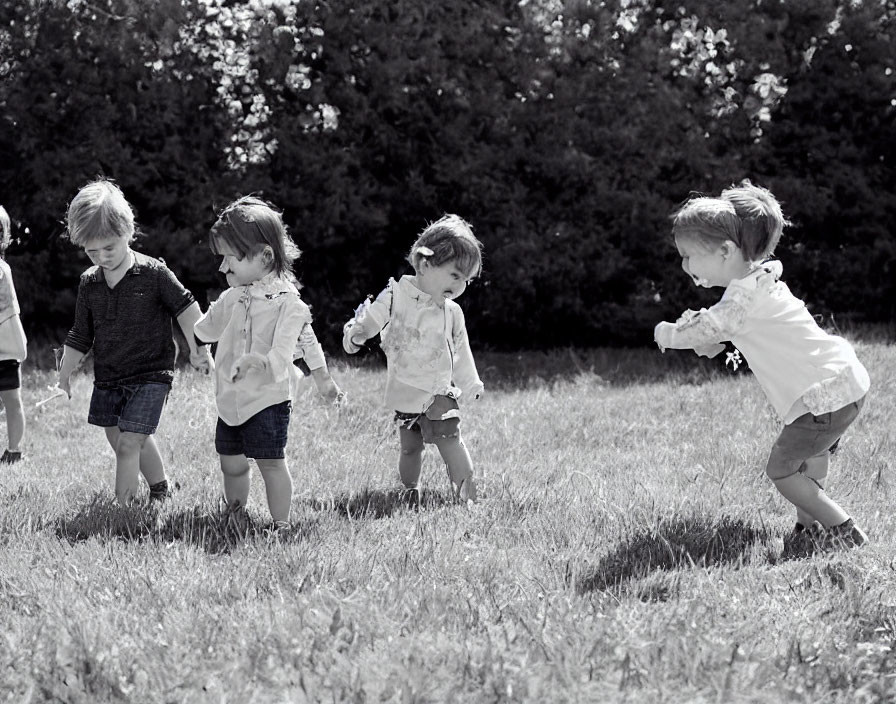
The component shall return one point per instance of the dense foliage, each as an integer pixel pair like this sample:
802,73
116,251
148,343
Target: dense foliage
565,131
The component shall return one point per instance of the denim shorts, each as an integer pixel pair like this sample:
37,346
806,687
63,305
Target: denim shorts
431,424
262,437
807,437
132,408
10,375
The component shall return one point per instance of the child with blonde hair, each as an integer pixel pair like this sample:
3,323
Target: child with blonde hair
424,336
256,324
124,311
814,380
13,350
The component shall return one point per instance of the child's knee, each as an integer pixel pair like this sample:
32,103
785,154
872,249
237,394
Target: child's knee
130,442
270,467
234,465
12,400
411,450
411,443
450,444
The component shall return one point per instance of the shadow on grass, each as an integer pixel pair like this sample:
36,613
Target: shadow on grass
674,544
209,527
376,503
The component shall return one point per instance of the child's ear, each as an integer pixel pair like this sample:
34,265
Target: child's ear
267,254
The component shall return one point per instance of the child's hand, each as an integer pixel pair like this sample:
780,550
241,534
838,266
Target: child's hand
326,387
349,343
65,384
662,335
201,360
249,361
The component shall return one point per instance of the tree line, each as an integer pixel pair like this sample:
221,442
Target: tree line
565,131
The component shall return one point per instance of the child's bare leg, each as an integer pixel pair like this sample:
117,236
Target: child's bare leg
816,468
127,448
152,467
235,470
457,459
277,486
809,497
410,462
15,418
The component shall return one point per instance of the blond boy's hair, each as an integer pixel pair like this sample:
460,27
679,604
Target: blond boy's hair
99,210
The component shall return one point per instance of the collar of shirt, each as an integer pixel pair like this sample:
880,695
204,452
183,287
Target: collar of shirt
269,287
139,263
407,287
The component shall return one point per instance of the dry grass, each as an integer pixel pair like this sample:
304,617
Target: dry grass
627,549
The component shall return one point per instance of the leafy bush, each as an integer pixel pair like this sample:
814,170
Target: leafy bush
565,132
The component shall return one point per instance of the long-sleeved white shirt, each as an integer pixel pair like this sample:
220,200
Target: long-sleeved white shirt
799,366
426,346
13,344
265,319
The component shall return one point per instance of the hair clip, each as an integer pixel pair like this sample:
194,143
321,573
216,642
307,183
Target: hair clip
424,251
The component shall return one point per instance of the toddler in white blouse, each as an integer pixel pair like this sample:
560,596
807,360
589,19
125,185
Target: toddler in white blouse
430,365
814,380
255,324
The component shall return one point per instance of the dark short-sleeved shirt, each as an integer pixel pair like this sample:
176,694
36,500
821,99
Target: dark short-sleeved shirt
129,327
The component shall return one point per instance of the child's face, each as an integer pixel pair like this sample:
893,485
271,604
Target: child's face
109,253
241,272
442,281
706,266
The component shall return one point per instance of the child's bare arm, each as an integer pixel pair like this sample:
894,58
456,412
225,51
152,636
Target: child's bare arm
71,358
325,384
200,359
369,319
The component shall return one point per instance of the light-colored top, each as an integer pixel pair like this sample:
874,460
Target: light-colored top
308,348
800,367
262,319
426,345
13,344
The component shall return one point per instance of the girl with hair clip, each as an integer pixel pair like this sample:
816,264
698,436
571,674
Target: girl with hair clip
814,380
430,365
255,323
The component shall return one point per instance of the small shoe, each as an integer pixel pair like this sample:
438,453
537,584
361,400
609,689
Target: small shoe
410,497
236,520
278,529
845,536
10,457
160,491
802,541
466,492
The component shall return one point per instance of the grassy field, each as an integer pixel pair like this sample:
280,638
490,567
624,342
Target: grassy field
627,548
